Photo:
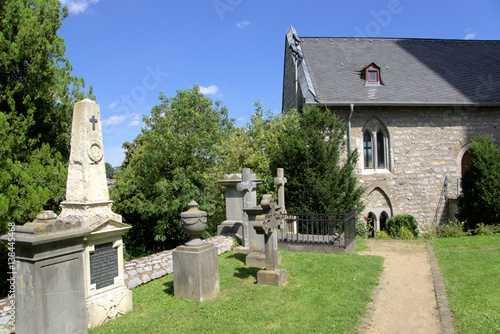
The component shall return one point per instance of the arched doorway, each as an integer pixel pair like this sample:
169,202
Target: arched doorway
383,220
372,222
466,158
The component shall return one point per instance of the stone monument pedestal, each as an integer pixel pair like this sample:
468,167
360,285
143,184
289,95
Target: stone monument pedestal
275,277
196,272
50,296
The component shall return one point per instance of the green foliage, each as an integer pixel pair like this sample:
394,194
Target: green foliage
451,230
405,234
255,145
480,198
363,230
176,159
384,235
110,171
482,229
395,223
37,93
320,178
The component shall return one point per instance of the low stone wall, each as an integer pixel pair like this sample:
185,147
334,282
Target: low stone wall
148,268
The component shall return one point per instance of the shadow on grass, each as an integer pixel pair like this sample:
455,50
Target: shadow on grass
168,288
238,256
246,272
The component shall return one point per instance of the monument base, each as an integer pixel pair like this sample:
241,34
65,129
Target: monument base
272,277
196,272
108,306
257,259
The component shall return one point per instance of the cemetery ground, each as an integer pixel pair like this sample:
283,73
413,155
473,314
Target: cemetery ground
327,293
324,293
471,270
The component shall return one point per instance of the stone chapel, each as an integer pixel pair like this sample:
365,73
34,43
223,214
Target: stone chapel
411,107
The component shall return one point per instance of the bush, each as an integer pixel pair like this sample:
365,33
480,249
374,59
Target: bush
395,223
480,198
405,234
363,230
382,235
482,229
451,230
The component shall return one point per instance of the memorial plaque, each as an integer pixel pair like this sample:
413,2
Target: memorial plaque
103,265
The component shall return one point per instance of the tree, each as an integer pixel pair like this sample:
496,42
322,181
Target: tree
480,198
320,174
254,145
110,171
37,93
174,160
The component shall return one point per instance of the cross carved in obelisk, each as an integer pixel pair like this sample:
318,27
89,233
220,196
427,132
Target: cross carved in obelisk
93,120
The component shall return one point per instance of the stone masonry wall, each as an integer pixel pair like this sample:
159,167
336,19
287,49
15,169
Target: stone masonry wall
426,145
145,269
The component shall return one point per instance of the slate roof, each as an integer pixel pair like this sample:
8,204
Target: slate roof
412,71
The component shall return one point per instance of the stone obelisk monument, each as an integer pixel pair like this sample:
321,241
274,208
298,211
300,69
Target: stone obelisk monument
87,201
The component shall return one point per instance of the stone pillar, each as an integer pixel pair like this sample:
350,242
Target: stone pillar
87,202
50,296
196,264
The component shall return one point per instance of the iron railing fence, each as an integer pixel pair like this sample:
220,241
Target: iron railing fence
338,230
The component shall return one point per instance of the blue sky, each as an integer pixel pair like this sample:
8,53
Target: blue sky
130,50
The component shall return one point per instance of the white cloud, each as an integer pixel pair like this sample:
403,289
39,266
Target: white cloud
471,35
242,24
241,119
120,119
112,105
77,6
211,90
114,120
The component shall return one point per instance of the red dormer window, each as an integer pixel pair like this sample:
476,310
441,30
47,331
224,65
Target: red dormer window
372,75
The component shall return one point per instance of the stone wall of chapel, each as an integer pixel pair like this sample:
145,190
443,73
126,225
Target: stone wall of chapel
426,145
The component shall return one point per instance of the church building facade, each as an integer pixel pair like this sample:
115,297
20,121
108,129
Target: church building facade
412,107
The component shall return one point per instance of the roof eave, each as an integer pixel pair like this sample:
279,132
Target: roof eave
411,103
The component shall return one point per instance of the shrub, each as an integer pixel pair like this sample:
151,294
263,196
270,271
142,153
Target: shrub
363,230
395,223
482,229
405,234
451,230
480,198
382,235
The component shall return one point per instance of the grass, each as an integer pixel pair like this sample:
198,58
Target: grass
471,270
325,293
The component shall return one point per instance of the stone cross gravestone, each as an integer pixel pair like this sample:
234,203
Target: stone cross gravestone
87,201
268,218
240,193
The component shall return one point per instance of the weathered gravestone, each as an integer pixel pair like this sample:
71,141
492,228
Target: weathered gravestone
240,195
195,264
50,291
268,218
87,202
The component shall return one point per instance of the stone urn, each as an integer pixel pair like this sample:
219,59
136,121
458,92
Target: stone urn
194,223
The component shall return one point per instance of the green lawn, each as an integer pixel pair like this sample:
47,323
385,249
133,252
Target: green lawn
325,293
471,270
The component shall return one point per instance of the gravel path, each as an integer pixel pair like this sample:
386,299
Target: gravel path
405,300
